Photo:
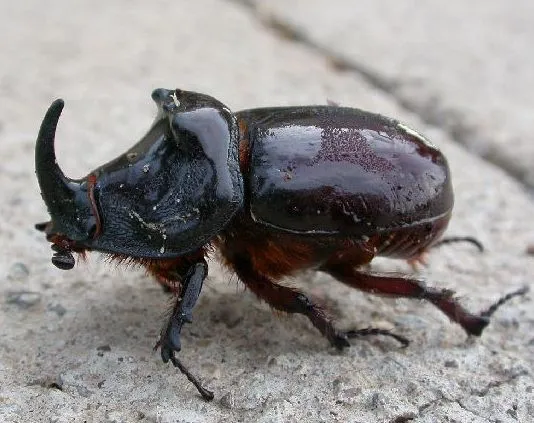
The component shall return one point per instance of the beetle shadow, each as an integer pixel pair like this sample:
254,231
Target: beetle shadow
121,317
227,314
129,316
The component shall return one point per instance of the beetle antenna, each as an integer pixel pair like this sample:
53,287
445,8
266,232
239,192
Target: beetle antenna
453,239
206,394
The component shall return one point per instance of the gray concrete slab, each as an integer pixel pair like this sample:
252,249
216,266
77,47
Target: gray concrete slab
463,66
77,345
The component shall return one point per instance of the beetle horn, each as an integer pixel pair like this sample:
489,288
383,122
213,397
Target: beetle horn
56,188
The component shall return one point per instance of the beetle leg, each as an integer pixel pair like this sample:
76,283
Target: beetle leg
454,239
286,299
357,333
421,258
401,286
182,310
169,343
290,300
418,260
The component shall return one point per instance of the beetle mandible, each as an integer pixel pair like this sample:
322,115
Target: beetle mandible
276,190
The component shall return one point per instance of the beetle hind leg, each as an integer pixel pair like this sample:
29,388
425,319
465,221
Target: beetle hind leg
421,257
457,239
401,286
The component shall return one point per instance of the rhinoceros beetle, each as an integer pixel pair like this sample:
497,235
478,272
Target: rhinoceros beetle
276,190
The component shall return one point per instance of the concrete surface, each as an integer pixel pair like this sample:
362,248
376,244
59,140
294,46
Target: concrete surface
460,65
77,345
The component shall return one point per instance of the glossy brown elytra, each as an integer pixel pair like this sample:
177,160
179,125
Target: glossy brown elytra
275,190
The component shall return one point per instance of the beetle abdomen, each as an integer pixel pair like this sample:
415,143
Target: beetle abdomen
324,169
411,242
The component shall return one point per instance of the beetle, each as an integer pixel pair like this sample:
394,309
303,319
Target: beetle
275,190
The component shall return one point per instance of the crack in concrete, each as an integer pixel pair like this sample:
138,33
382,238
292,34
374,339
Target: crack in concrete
429,404
498,383
430,111
474,392
463,407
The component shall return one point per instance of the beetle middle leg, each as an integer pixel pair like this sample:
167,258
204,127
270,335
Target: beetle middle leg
401,286
290,300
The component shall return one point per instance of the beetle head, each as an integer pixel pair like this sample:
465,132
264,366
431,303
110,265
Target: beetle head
168,195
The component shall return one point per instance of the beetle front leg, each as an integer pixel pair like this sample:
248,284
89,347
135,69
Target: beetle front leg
182,310
170,343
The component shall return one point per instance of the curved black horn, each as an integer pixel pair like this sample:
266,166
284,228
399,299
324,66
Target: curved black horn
45,156
55,187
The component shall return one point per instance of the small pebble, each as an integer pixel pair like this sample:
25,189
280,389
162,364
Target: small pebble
337,383
349,396
18,272
101,349
231,318
272,361
451,364
378,400
83,391
228,400
23,299
58,309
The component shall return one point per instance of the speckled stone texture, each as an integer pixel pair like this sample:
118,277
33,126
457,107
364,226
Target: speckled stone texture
77,345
